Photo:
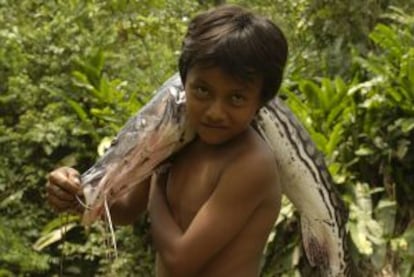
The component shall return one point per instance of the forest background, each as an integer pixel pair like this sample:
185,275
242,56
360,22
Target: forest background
73,71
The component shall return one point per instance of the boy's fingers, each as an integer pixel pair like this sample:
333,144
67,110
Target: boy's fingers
74,176
62,186
58,192
64,181
57,204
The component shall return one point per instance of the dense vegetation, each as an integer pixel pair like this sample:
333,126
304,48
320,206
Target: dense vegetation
73,71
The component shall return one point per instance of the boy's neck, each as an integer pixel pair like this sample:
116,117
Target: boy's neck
225,145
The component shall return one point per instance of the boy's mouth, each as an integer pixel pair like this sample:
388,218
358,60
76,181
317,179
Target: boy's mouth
213,126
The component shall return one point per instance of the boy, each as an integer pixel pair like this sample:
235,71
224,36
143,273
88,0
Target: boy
212,213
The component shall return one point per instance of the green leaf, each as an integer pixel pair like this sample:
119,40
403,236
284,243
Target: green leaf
365,230
52,236
366,86
320,140
79,110
104,145
335,112
98,61
324,94
104,89
403,146
364,151
334,138
59,222
313,92
407,124
81,80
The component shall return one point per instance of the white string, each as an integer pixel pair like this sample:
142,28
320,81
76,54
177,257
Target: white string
111,227
83,204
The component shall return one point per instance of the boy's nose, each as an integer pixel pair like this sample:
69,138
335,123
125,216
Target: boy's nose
215,113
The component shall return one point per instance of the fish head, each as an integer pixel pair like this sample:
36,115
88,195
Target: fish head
158,130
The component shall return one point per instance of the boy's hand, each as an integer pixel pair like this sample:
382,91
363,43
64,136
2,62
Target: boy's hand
158,184
155,191
62,188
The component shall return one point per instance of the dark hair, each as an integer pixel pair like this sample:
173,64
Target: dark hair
240,42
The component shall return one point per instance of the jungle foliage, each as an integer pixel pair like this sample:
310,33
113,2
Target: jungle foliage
73,71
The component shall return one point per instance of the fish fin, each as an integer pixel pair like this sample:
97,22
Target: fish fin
314,242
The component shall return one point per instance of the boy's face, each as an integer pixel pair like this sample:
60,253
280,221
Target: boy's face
220,106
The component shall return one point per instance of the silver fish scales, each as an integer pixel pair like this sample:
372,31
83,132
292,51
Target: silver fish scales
160,129
146,140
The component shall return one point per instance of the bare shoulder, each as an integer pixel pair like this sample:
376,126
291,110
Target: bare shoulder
255,156
253,166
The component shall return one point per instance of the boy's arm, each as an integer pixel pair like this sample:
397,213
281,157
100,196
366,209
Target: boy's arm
129,207
241,189
64,184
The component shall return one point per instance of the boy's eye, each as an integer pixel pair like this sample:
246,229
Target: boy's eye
201,92
238,100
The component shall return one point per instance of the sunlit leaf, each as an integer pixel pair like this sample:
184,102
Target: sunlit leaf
334,138
407,124
52,237
104,145
58,222
364,87
365,230
364,151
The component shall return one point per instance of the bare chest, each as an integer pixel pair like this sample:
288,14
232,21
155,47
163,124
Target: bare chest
193,178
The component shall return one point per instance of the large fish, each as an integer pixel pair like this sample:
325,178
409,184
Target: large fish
147,139
160,129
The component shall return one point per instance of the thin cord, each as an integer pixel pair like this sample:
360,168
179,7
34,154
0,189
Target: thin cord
83,204
111,227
